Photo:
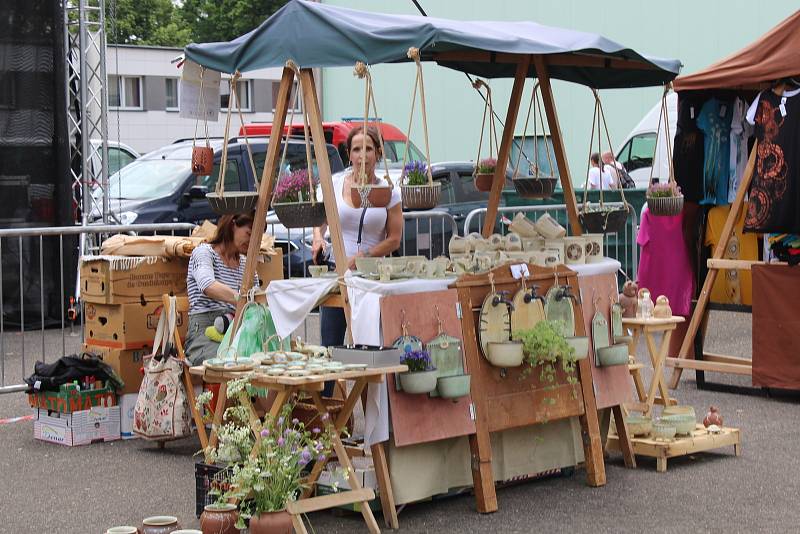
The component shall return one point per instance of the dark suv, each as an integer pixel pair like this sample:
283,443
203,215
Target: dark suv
161,188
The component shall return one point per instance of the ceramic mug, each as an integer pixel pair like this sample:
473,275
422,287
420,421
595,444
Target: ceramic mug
513,243
532,243
593,247
458,245
557,245
317,270
574,250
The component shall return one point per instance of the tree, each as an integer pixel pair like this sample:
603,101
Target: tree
145,22
223,20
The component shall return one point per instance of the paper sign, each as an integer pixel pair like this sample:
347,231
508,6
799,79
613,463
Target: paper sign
190,103
519,271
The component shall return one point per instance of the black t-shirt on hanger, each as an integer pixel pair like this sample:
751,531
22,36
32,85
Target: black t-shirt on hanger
775,190
688,148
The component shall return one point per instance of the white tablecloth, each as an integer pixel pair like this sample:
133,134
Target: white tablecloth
605,266
290,301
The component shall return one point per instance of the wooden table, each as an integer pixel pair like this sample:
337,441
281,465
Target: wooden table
658,355
287,388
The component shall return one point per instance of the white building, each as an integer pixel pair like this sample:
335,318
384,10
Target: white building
143,98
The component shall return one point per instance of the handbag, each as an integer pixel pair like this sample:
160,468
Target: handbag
162,410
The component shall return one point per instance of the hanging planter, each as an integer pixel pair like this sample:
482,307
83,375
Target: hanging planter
202,156
233,202
664,206
365,192
484,174
664,200
295,196
485,168
538,185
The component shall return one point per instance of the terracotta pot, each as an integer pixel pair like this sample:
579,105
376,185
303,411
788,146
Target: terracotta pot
379,196
271,523
160,524
713,417
219,519
483,181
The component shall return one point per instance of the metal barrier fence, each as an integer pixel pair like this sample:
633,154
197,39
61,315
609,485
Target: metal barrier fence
621,247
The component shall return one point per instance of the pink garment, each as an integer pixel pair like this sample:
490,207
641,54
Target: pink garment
664,266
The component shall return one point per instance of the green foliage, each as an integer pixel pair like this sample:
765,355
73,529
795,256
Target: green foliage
544,346
223,20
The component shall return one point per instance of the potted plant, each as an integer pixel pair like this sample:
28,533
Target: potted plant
295,200
262,481
664,199
484,174
545,346
417,188
421,374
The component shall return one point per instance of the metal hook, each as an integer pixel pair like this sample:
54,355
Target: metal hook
491,282
403,322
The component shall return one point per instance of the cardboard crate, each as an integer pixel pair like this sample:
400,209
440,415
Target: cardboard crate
77,428
125,279
127,363
270,267
362,469
70,398
129,326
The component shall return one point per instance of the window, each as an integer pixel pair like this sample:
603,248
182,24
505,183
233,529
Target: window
395,151
172,94
232,182
638,152
118,158
242,94
275,88
535,151
125,92
447,196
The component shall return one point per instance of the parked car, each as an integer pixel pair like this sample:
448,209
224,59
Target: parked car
160,186
119,155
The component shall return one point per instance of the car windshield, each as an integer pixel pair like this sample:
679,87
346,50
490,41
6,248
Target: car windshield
148,178
396,149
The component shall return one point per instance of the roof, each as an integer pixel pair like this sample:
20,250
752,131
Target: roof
305,32
774,56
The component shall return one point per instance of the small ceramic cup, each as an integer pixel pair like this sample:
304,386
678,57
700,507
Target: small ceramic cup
317,270
458,245
513,243
497,242
574,250
593,247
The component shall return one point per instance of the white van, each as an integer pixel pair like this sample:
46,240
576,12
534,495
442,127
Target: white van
637,150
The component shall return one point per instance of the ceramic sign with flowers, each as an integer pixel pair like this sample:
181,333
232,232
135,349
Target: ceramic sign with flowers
421,375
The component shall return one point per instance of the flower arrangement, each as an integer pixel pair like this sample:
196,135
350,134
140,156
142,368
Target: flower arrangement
487,166
415,173
664,190
294,187
418,361
545,345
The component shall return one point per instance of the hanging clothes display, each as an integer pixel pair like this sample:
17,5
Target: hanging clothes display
664,266
715,121
741,130
775,191
785,247
688,150
732,286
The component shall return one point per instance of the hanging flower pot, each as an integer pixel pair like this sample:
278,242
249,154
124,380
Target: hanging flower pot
290,204
604,219
483,181
421,375
484,168
665,206
534,187
537,185
419,192
370,195
664,200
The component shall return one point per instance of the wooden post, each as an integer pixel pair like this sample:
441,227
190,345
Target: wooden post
311,105
719,251
265,189
558,144
499,180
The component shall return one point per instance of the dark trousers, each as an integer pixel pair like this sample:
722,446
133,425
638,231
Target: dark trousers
333,327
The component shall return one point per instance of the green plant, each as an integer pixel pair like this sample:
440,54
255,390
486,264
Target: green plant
487,166
418,361
544,346
416,173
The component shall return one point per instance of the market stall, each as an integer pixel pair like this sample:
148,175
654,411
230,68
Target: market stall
743,109
489,49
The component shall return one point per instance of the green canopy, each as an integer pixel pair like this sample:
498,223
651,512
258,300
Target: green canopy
319,35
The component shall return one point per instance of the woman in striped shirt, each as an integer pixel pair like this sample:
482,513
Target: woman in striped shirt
214,280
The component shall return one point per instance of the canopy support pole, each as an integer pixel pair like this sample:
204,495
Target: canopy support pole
558,144
499,180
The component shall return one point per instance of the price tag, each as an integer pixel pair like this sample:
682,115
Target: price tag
519,270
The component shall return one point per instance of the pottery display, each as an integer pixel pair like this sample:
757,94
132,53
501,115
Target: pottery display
419,382
713,417
639,425
505,353
271,523
317,270
593,247
611,355
160,524
458,245
574,251
556,246
663,430
219,519
366,264
684,423
523,226
549,228
453,387
496,242
532,244
513,242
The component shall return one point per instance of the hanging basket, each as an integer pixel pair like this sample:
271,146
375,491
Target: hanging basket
300,214
232,203
665,206
421,197
377,196
535,187
483,181
596,219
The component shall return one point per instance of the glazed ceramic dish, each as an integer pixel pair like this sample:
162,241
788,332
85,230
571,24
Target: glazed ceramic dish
453,387
684,423
639,425
505,353
679,410
663,430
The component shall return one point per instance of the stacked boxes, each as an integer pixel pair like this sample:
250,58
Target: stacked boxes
122,302
71,416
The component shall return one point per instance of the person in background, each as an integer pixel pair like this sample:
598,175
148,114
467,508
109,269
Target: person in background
214,279
598,176
612,167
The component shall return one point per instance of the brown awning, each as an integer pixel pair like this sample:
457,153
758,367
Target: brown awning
774,56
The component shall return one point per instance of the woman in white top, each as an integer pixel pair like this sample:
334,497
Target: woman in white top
596,175
382,227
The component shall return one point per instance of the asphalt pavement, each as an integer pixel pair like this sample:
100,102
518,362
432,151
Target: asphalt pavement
52,488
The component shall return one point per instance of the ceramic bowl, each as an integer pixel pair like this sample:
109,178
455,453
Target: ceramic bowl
367,265
420,382
160,524
663,430
123,530
505,354
680,410
317,270
453,387
613,355
683,423
639,425
581,346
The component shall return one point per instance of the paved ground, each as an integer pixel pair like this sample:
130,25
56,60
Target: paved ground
49,488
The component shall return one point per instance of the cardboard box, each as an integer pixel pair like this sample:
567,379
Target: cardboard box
333,475
129,326
126,279
127,363
127,403
270,267
77,428
70,398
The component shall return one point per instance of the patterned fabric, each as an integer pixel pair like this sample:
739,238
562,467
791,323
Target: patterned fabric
715,121
162,409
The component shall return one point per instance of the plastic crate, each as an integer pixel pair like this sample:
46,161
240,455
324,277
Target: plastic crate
208,477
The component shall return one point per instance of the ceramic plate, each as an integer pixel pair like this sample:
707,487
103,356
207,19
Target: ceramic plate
297,372
275,372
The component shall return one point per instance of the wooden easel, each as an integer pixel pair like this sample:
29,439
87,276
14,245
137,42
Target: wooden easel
705,361
503,401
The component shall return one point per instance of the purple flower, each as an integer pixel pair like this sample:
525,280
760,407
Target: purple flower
417,361
416,172
280,421
321,458
287,432
265,433
318,447
281,442
315,430
291,187
295,421
325,417
305,456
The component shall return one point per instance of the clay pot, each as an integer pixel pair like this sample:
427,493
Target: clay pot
160,524
483,181
271,523
219,519
713,417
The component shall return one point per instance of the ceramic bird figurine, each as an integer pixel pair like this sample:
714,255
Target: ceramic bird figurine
713,417
662,309
628,298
